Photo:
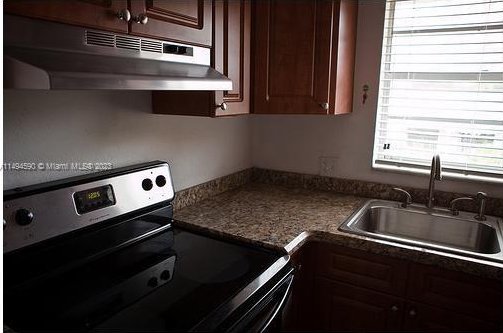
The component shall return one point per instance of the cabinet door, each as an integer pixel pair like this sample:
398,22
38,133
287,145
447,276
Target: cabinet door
362,269
296,56
232,34
342,307
292,56
419,317
98,14
184,21
343,58
455,291
231,56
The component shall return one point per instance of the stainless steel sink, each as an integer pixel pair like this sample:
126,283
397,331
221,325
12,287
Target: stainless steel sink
433,228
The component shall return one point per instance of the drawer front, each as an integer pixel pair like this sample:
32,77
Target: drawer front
462,293
362,269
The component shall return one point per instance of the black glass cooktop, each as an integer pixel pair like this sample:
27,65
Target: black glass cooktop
169,281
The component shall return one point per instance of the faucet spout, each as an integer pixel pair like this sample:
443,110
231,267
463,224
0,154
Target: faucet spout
435,174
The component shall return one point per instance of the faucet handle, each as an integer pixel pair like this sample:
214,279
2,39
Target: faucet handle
452,205
408,197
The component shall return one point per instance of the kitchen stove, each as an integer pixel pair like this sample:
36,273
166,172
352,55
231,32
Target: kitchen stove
118,261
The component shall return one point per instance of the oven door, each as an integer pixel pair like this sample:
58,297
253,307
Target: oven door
265,314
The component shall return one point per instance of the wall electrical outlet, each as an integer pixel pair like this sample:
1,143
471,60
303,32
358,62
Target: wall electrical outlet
328,166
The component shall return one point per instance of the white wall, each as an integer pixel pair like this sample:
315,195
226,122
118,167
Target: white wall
295,143
117,127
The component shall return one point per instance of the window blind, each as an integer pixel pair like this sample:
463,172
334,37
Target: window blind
441,86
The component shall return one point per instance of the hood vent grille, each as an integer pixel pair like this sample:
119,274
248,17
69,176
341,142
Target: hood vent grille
123,42
151,46
100,38
130,43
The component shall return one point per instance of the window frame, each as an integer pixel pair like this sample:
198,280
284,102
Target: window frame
404,168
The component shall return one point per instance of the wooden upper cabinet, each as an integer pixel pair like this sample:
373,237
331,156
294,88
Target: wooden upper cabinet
98,14
184,21
231,56
303,55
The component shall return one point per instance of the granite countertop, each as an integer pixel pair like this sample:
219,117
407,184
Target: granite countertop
284,218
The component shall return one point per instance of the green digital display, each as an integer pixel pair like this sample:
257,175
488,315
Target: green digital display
93,199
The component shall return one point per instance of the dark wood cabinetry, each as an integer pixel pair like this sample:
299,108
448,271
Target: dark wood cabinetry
462,293
231,56
427,318
303,55
379,273
188,21
352,290
98,14
343,307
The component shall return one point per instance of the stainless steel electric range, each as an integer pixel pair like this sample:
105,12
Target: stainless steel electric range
102,252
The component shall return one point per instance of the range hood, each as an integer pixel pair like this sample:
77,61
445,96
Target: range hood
46,55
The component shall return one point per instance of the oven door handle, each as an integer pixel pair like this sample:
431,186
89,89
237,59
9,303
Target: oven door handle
279,306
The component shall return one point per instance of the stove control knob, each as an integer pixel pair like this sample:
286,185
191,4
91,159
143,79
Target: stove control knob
160,180
165,275
152,282
147,184
24,216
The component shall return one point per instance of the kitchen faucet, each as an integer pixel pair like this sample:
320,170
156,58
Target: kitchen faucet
435,174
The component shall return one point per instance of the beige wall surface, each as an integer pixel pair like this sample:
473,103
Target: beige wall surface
118,128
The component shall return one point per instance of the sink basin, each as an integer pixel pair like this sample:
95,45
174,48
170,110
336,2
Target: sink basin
429,228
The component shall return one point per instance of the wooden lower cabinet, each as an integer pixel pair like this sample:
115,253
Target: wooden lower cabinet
426,318
343,289
342,307
462,293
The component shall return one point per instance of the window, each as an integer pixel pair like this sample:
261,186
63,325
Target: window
441,87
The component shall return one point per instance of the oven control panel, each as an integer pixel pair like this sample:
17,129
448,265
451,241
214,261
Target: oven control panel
94,198
42,215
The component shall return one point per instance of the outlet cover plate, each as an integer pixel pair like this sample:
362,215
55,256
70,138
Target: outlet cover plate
328,166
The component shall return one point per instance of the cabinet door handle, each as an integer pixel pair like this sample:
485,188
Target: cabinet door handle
222,106
141,18
412,313
324,106
394,308
124,14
